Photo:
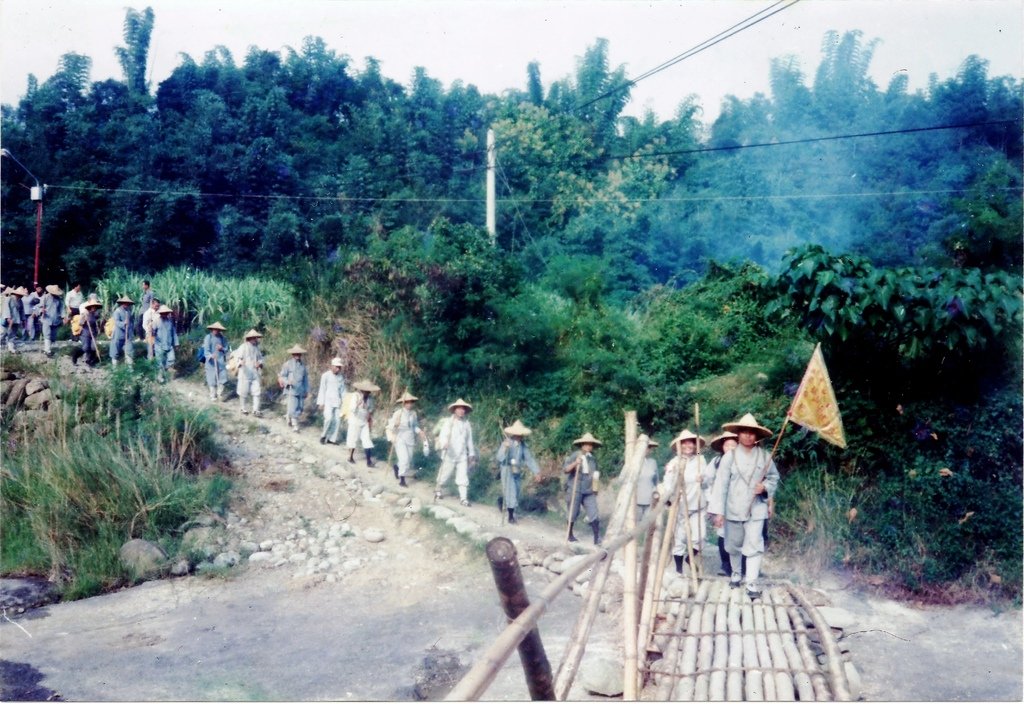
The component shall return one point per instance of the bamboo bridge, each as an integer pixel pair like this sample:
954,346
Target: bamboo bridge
704,641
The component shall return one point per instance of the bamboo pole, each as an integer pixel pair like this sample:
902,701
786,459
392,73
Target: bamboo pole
514,600
803,644
801,679
653,583
754,679
783,681
734,676
683,690
671,652
833,656
716,685
706,647
764,657
578,640
629,605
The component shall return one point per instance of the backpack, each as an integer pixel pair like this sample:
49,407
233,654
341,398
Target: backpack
201,355
108,328
76,325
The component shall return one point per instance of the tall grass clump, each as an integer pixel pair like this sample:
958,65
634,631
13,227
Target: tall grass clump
200,298
114,463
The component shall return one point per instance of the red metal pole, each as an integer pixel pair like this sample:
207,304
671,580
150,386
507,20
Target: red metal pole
39,234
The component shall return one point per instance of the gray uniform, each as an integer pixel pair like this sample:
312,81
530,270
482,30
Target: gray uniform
645,485
165,339
216,362
585,494
733,496
122,338
13,316
51,318
250,362
330,395
295,379
511,461
404,426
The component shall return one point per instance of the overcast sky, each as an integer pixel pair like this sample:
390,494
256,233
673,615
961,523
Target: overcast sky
488,43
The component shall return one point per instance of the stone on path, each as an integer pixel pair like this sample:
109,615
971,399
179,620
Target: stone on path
601,675
373,535
142,557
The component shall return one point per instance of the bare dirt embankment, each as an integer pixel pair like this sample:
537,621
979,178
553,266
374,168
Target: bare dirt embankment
331,612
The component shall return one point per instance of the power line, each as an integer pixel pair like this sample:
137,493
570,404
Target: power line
694,50
515,202
807,140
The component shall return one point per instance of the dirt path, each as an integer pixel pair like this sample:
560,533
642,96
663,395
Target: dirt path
402,618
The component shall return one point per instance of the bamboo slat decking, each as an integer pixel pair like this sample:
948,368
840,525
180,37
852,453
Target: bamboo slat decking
718,645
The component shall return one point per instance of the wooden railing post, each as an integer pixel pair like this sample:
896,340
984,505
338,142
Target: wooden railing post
509,579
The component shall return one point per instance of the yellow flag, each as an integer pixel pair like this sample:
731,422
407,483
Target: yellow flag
814,405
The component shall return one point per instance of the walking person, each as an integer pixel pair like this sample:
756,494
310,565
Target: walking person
294,379
150,319
121,339
691,518
457,451
250,369
402,429
165,339
14,315
90,335
32,309
721,444
52,316
215,360
513,457
360,420
582,477
145,303
747,479
329,398
646,482
73,304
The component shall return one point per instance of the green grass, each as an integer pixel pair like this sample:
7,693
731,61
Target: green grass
120,462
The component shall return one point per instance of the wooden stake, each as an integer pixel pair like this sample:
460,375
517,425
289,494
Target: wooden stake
514,600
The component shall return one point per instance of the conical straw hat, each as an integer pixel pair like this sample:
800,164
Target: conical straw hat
587,439
253,333
718,441
216,326
366,385
747,422
92,304
54,289
407,397
164,309
518,428
296,349
459,402
125,299
687,434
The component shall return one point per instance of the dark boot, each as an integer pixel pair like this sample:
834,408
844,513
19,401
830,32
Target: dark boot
572,538
723,555
596,527
401,481
394,468
679,563
511,515
369,458
351,456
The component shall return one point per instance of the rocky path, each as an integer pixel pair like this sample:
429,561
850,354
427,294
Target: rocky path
345,586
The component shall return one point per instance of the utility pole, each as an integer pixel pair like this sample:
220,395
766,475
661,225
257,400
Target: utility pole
492,162
36,194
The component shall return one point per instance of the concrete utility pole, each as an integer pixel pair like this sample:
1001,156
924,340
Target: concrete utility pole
492,161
